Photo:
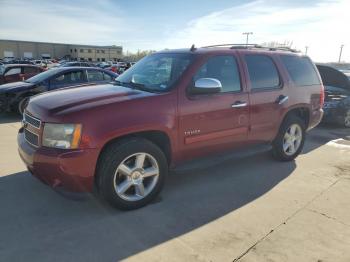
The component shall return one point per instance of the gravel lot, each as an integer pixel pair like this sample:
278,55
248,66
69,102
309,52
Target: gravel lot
228,208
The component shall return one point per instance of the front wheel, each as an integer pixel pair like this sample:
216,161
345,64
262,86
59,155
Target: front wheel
131,173
290,140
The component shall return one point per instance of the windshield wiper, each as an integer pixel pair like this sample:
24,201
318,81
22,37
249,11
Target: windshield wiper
133,85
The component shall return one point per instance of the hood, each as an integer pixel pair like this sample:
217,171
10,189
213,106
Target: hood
333,77
15,86
86,97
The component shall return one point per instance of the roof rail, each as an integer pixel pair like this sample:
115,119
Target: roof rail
254,46
231,45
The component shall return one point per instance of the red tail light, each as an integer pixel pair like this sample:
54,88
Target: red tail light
322,96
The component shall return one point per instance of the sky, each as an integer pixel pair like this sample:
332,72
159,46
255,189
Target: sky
322,25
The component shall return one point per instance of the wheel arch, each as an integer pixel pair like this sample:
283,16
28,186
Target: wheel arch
158,137
302,111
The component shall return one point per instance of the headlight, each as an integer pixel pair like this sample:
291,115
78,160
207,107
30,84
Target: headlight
65,136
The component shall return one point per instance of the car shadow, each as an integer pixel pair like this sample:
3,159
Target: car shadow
37,224
6,118
323,134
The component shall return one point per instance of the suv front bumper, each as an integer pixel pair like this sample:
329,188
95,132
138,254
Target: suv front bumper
72,169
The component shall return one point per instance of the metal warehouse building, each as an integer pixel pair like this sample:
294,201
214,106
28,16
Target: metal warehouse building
41,50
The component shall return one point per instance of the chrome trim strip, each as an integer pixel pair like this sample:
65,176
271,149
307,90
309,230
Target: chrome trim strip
36,146
239,105
36,119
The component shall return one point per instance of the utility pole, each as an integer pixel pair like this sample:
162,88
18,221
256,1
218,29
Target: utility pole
247,34
306,48
341,51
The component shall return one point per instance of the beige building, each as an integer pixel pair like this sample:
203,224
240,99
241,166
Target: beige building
39,50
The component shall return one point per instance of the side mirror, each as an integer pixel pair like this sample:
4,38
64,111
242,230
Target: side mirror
206,86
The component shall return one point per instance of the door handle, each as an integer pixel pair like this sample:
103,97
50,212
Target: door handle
239,104
282,99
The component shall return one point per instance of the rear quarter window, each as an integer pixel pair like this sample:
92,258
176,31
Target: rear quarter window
262,71
30,70
301,70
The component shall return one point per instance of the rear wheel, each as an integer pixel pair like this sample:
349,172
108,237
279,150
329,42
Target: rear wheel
131,173
290,139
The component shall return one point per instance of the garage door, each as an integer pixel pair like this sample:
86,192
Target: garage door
28,55
9,54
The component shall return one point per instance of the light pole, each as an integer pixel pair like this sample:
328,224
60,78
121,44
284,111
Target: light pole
306,48
341,51
247,34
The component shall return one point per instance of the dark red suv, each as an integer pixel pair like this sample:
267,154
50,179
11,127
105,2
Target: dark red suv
14,72
170,107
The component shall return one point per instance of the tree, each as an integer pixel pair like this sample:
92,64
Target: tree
133,57
286,43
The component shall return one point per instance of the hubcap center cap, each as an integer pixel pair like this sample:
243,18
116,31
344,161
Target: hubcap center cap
136,176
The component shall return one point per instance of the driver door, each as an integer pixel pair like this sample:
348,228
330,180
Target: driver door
215,121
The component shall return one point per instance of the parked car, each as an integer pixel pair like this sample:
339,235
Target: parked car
70,64
15,96
17,72
337,99
118,68
46,64
103,64
347,74
172,106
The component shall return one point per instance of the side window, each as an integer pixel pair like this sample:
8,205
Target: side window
67,79
13,71
95,76
262,72
223,68
107,77
300,70
30,70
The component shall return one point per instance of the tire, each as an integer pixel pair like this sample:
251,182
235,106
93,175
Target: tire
22,104
346,122
284,147
119,175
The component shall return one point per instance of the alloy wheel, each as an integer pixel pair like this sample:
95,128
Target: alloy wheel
292,139
136,176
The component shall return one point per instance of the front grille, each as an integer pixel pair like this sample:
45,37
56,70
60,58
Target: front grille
31,138
32,120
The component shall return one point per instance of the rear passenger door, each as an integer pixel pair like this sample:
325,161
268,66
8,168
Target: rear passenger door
96,76
267,96
29,71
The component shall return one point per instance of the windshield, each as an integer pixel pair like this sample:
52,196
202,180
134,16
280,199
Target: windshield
2,69
42,76
157,72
